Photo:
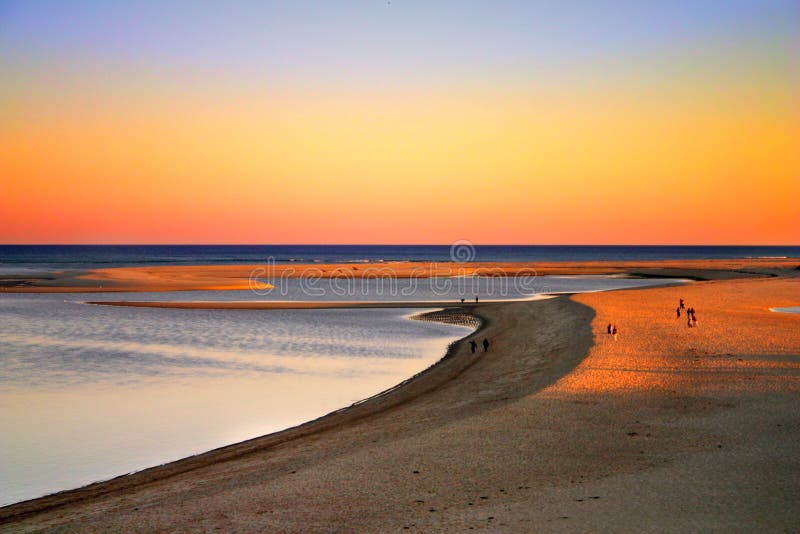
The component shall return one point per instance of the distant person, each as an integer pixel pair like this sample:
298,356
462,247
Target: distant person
694,318
614,332
681,304
476,298
608,328
485,345
473,346
462,301
688,320
678,311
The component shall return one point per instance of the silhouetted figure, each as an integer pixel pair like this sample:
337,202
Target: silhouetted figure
694,318
608,328
614,332
476,298
678,311
681,304
473,346
688,320
462,301
485,345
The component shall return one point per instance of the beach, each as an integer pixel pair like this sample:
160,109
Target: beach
556,428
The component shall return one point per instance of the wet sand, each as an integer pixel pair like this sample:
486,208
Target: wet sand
233,277
557,428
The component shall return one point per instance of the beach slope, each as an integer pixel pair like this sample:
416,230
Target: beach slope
557,428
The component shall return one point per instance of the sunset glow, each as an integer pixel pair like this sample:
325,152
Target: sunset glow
399,123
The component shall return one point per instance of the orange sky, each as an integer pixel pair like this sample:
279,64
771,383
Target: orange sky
681,148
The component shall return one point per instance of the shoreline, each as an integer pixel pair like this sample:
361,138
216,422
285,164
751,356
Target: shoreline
321,424
557,423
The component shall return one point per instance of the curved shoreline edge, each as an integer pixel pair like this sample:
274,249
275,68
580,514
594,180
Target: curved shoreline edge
454,364
358,410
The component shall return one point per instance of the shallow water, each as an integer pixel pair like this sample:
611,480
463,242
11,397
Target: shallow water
397,289
89,392
787,309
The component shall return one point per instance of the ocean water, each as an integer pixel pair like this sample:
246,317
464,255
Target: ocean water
16,258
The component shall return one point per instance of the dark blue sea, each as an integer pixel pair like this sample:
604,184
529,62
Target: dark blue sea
60,257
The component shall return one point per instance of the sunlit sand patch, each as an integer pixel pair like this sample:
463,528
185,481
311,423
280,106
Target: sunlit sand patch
737,345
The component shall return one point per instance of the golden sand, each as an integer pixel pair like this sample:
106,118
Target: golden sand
737,343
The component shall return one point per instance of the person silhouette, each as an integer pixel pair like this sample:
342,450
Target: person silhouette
476,298
608,328
485,345
462,301
473,346
678,312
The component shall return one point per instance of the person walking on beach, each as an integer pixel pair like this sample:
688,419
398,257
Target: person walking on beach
462,301
681,306
694,318
614,332
485,345
688,320
608,328
678,311
476,299
473,346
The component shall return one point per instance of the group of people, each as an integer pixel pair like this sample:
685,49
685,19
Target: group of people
612,329
473,345
691,316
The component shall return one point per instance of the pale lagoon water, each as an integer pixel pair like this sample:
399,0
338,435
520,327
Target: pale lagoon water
787,309
91,392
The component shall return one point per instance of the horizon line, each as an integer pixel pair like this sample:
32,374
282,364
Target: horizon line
459,241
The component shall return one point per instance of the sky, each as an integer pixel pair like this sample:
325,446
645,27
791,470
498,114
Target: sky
586,122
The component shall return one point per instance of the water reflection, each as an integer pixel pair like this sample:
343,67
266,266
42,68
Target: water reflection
89,392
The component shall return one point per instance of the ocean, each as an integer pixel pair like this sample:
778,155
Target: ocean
14,258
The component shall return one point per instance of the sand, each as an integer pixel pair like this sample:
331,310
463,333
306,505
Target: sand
233,277
557,428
